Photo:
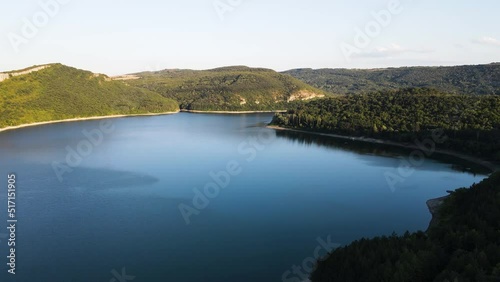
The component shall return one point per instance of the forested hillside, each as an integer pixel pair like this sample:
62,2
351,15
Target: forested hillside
463,246
61,92
471,123
473,80
227,89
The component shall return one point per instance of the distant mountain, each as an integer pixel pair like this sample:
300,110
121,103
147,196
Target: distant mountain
236,88
473,80
54,92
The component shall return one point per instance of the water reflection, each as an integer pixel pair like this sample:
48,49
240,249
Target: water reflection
382,150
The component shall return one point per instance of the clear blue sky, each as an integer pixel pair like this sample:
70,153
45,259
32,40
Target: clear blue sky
116,37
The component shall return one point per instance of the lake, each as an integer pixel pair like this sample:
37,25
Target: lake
197,197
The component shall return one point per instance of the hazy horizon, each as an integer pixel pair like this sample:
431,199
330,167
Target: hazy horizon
180,69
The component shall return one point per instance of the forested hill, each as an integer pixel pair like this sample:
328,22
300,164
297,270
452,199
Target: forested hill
463,246
236,88
55,92
472,123
473,79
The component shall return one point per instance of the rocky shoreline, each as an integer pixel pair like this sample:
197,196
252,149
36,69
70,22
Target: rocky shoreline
434,206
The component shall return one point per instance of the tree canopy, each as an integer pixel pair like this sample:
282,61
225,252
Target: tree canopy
227,89
471,80
471,123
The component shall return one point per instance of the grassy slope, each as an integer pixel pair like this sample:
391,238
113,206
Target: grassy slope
229,88
61,92
478,79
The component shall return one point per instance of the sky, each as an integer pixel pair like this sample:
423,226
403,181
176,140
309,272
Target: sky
127,36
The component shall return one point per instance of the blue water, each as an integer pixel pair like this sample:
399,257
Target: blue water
118,210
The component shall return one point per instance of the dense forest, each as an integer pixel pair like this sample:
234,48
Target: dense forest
472,80
227,89
463,246
60,92
471,123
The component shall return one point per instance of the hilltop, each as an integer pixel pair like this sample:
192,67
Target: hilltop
7,75
473,79
236,88
56,92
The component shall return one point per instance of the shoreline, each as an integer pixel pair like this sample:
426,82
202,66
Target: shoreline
433,205
232,112
9,128
486,164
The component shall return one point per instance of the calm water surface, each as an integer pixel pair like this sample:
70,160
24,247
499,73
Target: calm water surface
120,207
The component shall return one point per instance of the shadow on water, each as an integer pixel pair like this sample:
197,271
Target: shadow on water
381,150
85,179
